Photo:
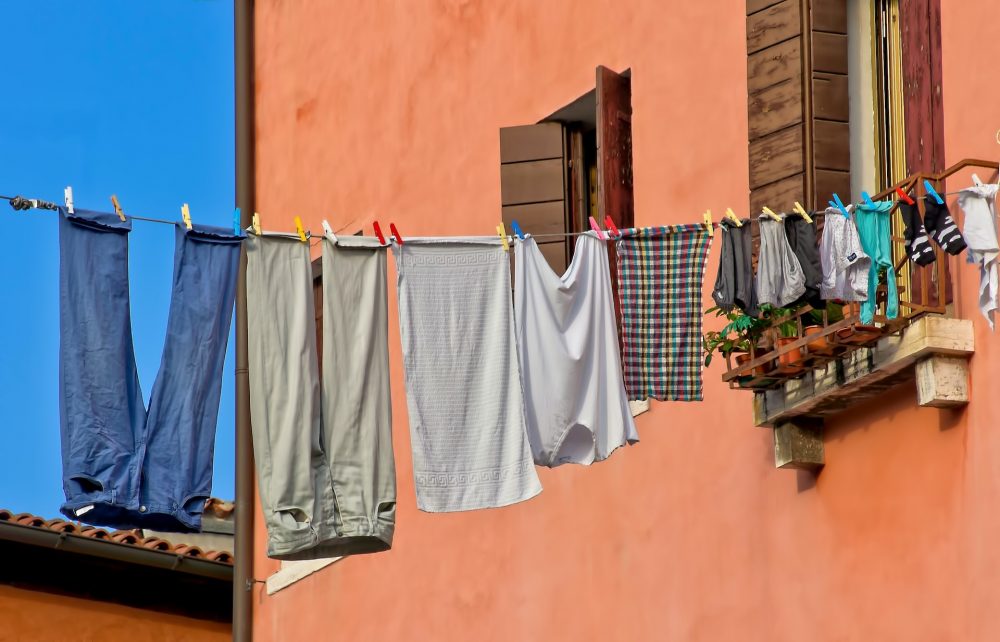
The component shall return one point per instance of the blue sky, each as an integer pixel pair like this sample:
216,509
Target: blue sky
112,97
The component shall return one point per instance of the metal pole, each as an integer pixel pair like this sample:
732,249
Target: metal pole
243,21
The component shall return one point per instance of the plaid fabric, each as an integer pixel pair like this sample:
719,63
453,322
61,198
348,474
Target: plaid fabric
660,275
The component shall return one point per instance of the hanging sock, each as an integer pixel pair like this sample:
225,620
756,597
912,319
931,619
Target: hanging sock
734,283
979,205
122,467
941,227
780,280
845,264
576,410
875,232
801,236
660,277
463,388
918,243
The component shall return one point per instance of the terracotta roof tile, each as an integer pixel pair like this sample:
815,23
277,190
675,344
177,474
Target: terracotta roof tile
217,507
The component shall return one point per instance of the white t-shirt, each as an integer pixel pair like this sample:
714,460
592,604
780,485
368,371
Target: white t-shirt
567,340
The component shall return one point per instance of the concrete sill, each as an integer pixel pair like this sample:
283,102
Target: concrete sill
934,350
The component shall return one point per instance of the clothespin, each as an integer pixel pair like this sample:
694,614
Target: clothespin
903,195
770,213
255,223
868,200
237,222
395,233
118,208
502,232
299,229
68,196
517,230
329,231
839,204
597,228
732,217
933,192
378,232
801,211
976,180
186,215
708,222
611,226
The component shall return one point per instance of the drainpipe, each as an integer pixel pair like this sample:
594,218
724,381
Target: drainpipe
243,22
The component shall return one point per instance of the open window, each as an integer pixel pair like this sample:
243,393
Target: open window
574,164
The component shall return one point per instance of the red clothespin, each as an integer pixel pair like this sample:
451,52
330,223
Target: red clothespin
903,195
597,228
611,226
395,233
378,232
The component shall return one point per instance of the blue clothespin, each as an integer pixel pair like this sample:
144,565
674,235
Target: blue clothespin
237,229
868,200
839,204
933,192
517,230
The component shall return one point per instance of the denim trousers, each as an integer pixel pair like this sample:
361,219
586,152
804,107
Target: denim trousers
124,466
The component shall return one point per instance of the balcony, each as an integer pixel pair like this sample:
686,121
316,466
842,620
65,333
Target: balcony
804,365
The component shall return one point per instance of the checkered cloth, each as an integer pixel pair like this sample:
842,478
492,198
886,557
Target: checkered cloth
660,275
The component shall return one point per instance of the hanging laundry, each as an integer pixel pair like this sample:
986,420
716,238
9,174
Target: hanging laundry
941,227
567,343
875,233
124,467
979,205
660,275
845,264
357,416
466,411
323,449
918,243
735,284
780,280
801,235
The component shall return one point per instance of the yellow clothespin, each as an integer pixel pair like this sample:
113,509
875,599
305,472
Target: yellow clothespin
118,208
770,213
502,231
732,217
802,212
255,223
708,222
299,229
186,215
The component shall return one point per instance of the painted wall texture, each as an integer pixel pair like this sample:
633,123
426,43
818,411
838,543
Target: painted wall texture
34,615
392,110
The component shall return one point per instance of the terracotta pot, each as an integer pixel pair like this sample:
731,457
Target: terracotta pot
820,345
756,372
789,362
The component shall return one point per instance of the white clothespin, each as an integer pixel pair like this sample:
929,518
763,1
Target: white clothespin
68,195
329,231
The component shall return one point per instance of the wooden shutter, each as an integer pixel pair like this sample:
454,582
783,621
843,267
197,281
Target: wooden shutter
614,148
798,109
533,186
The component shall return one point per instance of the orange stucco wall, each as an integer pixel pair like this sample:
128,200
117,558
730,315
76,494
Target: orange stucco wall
37,616
391,110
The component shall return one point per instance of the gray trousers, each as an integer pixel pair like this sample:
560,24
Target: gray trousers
323,449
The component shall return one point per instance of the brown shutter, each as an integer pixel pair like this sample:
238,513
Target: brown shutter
798,102
614,148
533,186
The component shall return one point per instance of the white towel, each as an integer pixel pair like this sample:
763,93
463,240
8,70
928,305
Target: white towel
467,430
980,232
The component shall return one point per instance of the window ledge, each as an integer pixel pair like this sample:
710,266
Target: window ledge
933,349
292,572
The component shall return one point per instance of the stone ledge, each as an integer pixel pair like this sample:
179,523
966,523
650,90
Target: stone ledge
867,372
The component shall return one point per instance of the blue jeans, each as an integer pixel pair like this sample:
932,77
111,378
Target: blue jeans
125,467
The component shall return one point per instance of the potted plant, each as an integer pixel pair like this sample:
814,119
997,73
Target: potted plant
812,324
787,330
737,337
